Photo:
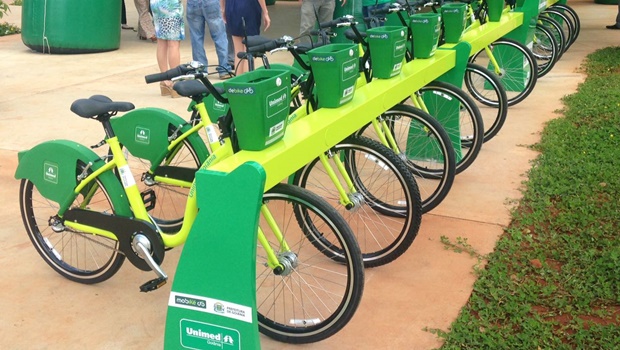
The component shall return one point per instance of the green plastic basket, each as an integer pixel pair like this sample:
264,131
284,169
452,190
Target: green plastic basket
336,69
260,102
425,29
388,45
454,20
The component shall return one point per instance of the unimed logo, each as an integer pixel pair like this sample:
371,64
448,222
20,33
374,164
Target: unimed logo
213,337
50,172
200,335
143,135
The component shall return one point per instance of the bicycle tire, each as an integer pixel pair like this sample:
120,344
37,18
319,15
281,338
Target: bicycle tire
572,17
518,70
318,297
169,204
78,256
545,49
384,187
469,133
485,87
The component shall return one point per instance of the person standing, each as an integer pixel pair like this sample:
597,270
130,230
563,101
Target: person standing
243,18
309,11
170,30
124,24
146,31
617,24
199,13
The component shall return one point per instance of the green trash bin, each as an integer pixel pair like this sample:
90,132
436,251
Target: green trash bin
335,68
388,45
425,30
260,102
71,26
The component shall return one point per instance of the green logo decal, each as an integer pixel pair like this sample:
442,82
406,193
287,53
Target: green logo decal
180,300
143,135
50,172
199,335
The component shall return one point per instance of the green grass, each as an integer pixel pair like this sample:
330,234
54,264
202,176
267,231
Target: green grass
553,280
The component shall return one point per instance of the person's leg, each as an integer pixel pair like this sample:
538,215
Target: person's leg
217,29
308,18
174,53
123,13
145,20
162,55
239,47
196,23
618,16
326,10
231,49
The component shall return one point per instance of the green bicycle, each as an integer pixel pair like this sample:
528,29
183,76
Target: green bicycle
84,214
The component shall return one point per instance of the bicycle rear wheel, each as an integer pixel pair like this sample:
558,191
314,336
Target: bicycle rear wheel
425,147
387,210
79,256
486,88
517,69
315,296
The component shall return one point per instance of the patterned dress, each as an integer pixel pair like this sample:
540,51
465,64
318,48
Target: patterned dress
168,19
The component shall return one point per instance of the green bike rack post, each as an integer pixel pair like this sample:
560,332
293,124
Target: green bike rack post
212,303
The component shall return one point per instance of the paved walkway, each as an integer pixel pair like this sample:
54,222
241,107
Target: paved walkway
425,288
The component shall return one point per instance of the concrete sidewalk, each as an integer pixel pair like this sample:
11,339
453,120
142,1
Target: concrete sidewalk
424,289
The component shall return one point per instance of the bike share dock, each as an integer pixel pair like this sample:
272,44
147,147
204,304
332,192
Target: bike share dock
209,324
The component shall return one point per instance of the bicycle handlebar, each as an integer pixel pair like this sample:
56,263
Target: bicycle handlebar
169,74
189,71
262,45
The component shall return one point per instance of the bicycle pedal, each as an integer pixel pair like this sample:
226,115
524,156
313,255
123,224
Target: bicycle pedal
149,199
153,284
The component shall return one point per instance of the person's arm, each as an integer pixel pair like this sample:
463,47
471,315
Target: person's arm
266,19
342,2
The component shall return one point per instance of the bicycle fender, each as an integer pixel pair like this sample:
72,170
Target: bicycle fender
51,167
144,133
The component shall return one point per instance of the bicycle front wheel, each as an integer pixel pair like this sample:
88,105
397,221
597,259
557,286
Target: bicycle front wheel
568,18
545,49
488,91
386,209
79,256
516,67
461,118
317,294
425,147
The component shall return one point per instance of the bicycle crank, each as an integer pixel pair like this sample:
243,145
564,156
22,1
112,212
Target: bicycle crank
143,247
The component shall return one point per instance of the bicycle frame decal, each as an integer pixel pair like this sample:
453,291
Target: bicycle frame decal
211,306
